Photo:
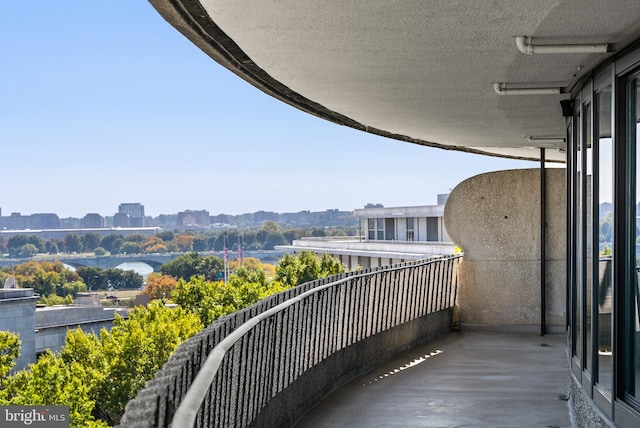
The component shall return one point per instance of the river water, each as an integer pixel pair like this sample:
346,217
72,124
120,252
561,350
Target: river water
138,267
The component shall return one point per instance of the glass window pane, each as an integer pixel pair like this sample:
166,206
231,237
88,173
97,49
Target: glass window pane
579,262
633,293
605,241
588,186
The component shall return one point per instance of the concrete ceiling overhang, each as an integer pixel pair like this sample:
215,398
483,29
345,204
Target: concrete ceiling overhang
418,71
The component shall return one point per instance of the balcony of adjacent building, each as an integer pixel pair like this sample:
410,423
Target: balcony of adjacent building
386,235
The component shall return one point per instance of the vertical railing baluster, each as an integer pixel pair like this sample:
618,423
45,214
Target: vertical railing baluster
275,351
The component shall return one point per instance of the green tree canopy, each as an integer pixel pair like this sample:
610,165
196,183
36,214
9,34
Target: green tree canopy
90,241
97,375
211,300
9,352
72,243
27,250
112,243
306,266
193,264
131,248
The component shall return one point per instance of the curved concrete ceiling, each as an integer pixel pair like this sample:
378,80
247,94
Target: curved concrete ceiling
417,71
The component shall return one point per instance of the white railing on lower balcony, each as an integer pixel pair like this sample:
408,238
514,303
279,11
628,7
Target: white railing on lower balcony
268,364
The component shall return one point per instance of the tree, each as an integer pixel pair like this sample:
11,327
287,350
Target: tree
38,242
99,251
211,300
166,236
131,248
98,375
26,251
209,267
72,243
318,232
306,266
270,234
118,278
184,242
93,277
136,348
330,266
45,278
16,242
52,381
287,270
112,243
25,246
51,247
193,264
138,238
90,241
199,244
72,288
160,286
9,352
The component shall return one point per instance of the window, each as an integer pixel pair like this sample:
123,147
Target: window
371,223
579,252
588,232
630,291
432,229
410,222
603,294
380,222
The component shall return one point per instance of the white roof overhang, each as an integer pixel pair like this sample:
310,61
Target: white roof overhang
435,73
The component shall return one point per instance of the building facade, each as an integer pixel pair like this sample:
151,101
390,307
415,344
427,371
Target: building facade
135,212
194,219
603,193
92,220
387,236
405,224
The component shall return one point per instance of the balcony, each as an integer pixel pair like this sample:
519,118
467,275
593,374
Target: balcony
270,364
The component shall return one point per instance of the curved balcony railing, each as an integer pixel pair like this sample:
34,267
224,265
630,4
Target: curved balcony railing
266,365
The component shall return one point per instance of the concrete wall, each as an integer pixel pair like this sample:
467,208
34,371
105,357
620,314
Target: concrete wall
495,218
17,308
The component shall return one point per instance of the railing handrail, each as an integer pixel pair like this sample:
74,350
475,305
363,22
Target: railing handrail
187,411
242,368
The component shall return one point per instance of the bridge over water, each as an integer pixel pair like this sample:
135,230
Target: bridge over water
153,260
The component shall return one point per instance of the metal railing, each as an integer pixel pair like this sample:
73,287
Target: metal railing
231,372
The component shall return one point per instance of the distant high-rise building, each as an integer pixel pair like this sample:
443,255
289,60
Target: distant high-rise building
263,216
43,221
199,218
92,220
135,212
121,220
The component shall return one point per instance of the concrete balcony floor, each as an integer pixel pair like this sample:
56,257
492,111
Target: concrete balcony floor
472,378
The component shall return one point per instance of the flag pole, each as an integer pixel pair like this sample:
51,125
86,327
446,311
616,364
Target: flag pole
226,260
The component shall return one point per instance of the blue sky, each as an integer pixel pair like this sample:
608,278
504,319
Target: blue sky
104,102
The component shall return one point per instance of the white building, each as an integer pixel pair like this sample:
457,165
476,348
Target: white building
387,236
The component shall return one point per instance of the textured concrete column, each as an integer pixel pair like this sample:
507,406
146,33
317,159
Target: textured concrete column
495,218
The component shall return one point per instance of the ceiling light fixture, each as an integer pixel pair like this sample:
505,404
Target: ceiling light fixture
526,47
547,140
501,89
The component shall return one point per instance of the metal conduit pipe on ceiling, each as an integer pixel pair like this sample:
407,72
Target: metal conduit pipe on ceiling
526,47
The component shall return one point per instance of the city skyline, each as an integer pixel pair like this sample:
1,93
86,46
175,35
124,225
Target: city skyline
107,103
3,213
